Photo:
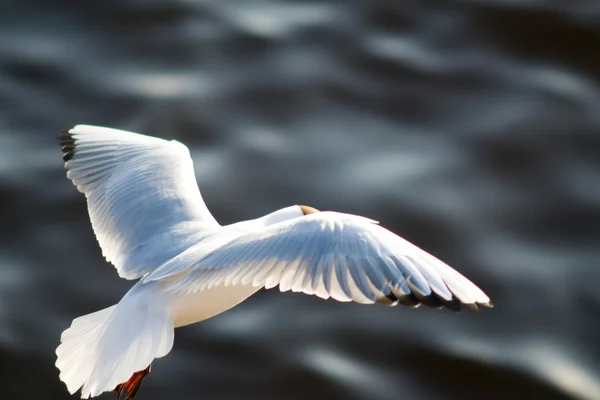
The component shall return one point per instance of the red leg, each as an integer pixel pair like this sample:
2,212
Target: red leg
132,386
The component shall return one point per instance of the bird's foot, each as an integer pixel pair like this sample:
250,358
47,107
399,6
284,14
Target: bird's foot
132,386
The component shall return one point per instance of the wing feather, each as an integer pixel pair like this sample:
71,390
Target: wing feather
142,196
336,255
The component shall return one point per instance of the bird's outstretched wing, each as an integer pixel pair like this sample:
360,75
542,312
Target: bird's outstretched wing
141,192
329,254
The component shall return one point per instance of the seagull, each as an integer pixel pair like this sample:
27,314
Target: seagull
152,224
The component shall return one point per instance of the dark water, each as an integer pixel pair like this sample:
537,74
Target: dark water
470,127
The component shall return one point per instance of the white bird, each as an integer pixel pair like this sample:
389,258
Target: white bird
151,223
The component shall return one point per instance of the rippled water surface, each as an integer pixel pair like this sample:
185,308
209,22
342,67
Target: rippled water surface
470,127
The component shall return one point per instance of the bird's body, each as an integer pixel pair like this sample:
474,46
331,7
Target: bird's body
152,224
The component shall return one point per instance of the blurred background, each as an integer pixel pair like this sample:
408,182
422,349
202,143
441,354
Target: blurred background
470,127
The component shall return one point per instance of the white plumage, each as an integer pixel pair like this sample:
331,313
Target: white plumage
151,223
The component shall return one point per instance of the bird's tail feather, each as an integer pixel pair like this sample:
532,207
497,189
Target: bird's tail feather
103,349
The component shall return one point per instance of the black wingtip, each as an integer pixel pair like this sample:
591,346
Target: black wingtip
478,306
392,299
67,156
67,143
453,305
434,300
65,133
489,304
